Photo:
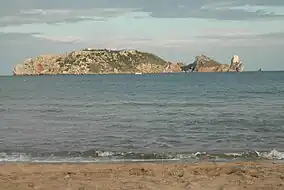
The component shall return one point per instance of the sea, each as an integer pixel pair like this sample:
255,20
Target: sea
179,117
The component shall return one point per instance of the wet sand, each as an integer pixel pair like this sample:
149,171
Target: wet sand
150,176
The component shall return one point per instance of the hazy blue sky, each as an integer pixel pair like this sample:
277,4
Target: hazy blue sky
175,30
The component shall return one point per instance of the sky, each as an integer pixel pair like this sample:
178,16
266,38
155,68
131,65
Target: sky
174,30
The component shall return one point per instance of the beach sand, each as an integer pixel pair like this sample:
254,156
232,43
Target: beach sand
152,176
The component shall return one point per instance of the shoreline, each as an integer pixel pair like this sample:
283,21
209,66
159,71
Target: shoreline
166,176
100,156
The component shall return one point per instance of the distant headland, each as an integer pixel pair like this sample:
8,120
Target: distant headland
104,61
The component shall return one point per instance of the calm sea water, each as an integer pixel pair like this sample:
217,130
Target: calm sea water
142,117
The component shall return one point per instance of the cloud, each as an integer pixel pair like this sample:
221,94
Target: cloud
53,16
16,12
15,36
64,39
221,10
245,39
8,37
268,36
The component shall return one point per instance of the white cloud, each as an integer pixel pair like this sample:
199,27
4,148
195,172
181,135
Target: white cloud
65,39
214,41
225,31
258,9
30,16
265,10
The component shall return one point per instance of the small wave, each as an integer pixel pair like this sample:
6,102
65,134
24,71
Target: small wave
268,92
106,156
274,154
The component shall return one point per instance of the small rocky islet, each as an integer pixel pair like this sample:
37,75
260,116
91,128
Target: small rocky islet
104,61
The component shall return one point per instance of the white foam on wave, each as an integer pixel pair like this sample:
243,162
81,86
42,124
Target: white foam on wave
104,154
106,157
14,157
274,154
234,154
21,157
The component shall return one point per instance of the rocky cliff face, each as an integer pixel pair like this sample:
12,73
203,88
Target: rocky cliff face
93,61
203,63
236,64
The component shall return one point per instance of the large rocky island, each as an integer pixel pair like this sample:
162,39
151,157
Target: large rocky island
103,61
96,61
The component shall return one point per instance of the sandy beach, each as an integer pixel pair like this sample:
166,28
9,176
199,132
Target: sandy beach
164,176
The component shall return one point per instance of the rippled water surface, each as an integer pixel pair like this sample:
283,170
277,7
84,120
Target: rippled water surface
142,117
